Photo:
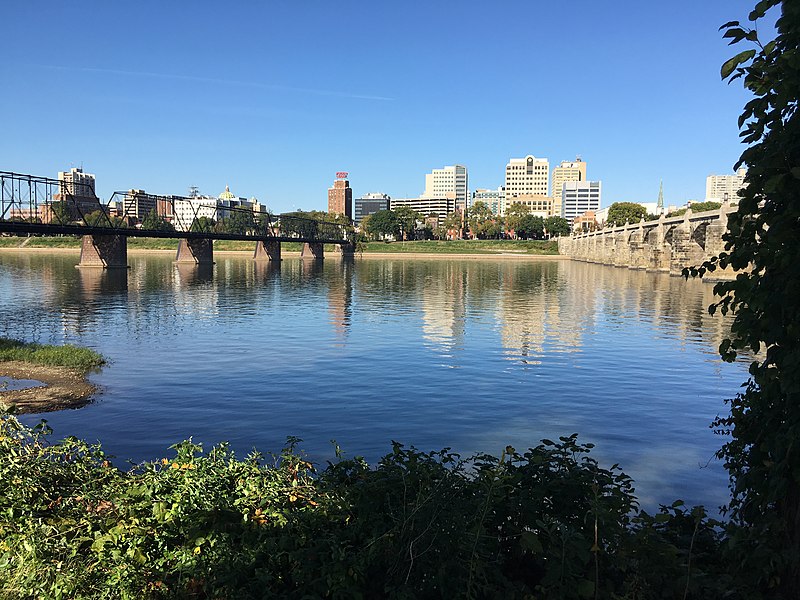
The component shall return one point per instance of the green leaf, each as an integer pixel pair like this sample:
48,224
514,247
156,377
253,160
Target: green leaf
734,62
530,541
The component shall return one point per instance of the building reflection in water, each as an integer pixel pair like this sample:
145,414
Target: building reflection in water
444,305
537,309
339,281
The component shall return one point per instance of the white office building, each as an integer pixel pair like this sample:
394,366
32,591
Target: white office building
493,198
526,177
566,171
449,182
578,197
720,188
196,207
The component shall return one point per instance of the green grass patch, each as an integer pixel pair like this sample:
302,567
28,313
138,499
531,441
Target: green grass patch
540,247
73,357
64,241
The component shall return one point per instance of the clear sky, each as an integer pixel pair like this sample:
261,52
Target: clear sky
273,98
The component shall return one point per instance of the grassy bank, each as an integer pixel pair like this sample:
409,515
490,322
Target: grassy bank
71,357
547,523
466,247
423,247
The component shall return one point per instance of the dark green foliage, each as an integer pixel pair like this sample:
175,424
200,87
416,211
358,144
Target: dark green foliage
73,357
696,207
556,226
763,453
530,227
383,223
100,218
483,224
620,213
239,221
202,225
155,222
60,213
549,523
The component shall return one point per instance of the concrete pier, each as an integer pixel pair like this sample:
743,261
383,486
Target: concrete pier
196,251
312,250
267,251
104,251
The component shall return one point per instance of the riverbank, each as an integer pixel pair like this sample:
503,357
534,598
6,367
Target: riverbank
60,372
415,249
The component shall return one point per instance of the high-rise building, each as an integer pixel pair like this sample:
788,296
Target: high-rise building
725,187
448,182
527,176
493,198
566,171
76,189
578,197
77,183
137,204
340,196
441,207
369,204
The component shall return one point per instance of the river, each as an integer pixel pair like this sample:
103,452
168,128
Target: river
470,354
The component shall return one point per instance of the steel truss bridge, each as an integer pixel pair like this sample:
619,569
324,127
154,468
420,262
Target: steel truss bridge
42,206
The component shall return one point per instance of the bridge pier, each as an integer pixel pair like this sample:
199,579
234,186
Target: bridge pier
270,250
195,251
104,251
347,249
313,250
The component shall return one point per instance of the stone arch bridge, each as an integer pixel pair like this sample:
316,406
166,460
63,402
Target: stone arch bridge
667,245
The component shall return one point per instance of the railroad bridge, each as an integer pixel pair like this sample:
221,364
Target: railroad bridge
666,245
43,206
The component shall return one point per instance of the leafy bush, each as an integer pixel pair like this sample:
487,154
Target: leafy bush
546,523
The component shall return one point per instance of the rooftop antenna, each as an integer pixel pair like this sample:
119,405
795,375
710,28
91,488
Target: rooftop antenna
194,192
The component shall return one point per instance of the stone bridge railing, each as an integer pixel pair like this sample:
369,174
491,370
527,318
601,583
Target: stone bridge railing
666,245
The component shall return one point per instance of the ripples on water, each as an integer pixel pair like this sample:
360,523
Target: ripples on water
472,354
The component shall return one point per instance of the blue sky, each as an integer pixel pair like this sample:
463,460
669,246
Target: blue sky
273,98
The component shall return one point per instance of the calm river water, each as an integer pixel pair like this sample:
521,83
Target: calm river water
468,354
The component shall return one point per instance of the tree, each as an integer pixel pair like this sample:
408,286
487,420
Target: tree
202,224
99,218
556,226
382,223
620,213
531,227
763,453
60,213
696,207
482,222
453,224
155,222
407,219
514,215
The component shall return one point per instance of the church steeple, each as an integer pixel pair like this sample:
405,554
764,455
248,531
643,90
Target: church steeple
660,204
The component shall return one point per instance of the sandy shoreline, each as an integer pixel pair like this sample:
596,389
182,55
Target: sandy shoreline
63,388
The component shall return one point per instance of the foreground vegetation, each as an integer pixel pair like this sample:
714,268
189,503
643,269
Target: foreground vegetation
545,523
71,357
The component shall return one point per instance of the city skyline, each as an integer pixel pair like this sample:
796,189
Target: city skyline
265,111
